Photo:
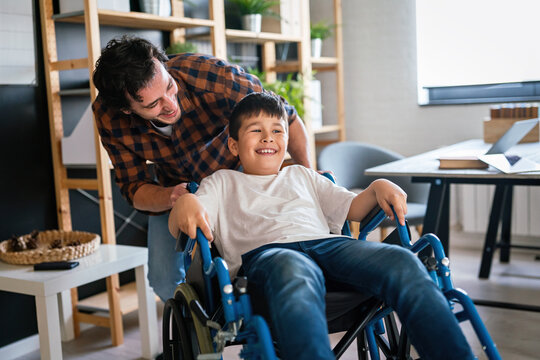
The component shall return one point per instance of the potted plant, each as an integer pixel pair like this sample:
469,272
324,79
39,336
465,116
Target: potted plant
290,89
156,7
319,31
181,47
252,12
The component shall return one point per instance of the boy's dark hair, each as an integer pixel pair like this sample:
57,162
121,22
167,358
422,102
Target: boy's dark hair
254,104
126,65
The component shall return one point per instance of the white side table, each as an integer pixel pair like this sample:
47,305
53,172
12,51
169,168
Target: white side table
53,287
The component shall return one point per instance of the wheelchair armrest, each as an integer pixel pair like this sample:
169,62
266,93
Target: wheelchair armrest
182,242
372,219
400,236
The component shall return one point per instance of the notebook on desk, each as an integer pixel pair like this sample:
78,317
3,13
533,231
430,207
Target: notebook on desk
511,137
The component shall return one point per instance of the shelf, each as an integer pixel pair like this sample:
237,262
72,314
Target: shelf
327,129
324,63
286,66
241,36
319,64
137,20
261,37
326,142
100,302
75,92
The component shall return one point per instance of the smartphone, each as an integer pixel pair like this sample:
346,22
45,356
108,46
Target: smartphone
56,265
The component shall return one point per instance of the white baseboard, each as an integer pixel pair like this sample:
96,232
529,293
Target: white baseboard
20,347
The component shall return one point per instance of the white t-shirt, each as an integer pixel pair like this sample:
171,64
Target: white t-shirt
249,211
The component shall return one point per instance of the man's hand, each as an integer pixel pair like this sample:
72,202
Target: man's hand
389,194
177,191
156,198
187,215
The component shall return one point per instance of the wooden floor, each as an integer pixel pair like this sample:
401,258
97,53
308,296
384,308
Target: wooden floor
516,333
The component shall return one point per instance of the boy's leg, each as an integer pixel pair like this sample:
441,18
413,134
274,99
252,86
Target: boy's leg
293,287
165,265
397,276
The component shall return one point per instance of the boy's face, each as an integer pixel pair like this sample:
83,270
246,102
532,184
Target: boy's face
262,144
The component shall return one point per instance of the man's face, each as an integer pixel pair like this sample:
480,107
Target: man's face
159,98
261,145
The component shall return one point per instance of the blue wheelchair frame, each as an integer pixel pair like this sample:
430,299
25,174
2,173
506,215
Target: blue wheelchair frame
252,330
440,273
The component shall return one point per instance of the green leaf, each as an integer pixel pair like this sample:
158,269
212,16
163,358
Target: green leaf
179,48
290,89
247,7
321,30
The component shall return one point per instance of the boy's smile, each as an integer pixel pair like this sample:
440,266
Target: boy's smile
261,145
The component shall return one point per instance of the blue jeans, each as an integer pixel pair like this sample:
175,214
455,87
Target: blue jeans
165,265
292,278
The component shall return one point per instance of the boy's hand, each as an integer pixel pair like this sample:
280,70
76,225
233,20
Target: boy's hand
389,194
187,215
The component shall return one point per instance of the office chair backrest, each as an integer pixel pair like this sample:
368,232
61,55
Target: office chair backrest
348,160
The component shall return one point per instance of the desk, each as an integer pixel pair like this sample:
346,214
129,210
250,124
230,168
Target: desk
425,168
52,287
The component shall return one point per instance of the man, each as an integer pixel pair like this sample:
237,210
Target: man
173,113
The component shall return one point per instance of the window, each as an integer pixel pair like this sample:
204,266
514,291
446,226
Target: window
18,61
477,51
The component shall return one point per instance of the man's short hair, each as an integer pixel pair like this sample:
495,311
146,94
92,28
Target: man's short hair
253,105
126,65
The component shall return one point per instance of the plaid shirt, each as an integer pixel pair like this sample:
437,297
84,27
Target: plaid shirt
208,90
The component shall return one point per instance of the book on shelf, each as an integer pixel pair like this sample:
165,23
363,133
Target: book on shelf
461,162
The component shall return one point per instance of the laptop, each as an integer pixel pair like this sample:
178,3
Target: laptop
495,153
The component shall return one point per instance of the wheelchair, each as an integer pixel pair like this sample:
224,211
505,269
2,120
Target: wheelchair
209,312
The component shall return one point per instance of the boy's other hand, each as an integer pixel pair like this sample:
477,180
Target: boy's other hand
389,194
188,214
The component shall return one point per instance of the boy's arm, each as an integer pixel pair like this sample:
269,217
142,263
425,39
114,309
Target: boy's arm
384,193
188,214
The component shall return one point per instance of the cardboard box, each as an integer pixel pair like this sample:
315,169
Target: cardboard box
67,6
495,128
289,22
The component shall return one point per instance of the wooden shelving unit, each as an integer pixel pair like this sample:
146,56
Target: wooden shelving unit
305,64
136,20
93,18
334,64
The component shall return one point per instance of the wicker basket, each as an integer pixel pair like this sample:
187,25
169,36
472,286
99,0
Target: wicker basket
69,245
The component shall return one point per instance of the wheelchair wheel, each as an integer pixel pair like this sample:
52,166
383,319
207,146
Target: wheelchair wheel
198,338
175,334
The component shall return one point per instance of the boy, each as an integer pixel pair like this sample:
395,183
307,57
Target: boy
283,226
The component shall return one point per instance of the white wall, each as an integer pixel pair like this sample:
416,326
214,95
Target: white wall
379,44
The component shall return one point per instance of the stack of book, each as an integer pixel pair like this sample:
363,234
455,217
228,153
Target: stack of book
502,118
